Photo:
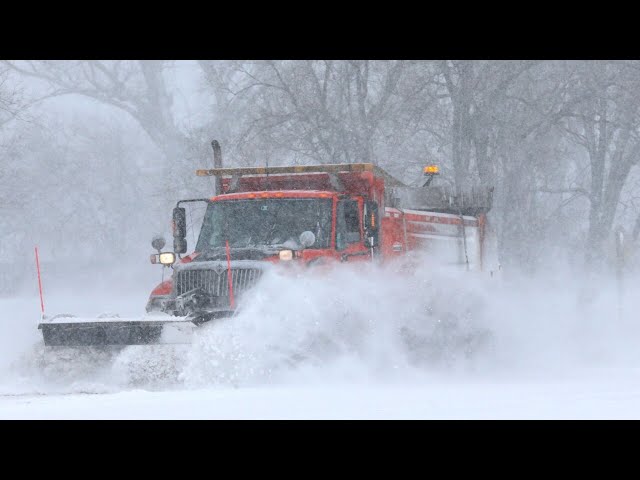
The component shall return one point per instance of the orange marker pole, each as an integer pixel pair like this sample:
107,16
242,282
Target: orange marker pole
39,283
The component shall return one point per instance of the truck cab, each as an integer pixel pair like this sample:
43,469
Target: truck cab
305,216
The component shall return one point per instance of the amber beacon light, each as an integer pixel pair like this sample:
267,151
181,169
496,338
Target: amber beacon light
431,170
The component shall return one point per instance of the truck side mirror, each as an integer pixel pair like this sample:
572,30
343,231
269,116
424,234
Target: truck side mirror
179,230
371,223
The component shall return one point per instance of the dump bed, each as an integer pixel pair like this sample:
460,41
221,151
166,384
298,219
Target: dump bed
444,199
351,178
446,238
354,179
448,225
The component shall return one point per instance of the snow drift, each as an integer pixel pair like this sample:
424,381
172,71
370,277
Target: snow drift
372,325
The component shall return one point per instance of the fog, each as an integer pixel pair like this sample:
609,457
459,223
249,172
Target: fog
95,155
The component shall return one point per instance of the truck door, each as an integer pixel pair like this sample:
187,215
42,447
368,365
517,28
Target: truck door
349,239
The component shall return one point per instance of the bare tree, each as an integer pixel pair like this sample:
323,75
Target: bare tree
477,91
605,124
323,111
10,99
138,88
11,145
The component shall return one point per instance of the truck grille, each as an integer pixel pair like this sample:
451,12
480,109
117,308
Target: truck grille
217,283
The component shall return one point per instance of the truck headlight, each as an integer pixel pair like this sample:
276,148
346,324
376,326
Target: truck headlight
286,254
167,258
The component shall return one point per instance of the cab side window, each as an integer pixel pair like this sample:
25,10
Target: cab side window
348,224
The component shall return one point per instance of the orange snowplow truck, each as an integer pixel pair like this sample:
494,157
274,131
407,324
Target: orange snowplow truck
311,215
307,215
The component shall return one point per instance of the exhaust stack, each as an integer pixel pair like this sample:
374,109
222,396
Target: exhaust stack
217,163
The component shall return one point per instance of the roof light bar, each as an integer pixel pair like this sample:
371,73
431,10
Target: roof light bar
326,168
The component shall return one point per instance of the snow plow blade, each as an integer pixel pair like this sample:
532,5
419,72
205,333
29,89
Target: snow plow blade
66,330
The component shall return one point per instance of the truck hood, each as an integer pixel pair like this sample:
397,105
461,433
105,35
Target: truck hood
245,253
220,265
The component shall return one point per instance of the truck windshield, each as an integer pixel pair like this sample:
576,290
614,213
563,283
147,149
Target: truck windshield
266,222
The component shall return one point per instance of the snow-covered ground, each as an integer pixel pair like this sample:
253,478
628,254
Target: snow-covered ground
334,347
613,394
